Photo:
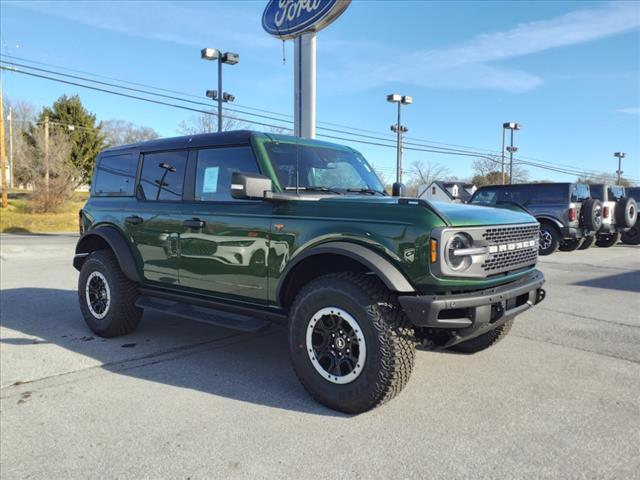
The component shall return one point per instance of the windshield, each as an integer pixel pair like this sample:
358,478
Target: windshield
485,196
321,167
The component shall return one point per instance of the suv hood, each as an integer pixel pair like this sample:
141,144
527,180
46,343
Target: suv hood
455,214
463,215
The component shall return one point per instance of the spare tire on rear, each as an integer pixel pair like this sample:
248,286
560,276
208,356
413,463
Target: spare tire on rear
626,212
592,214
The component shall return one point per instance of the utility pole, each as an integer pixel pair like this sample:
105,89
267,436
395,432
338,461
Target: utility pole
3,158
46,155
11,171
504,131
620,156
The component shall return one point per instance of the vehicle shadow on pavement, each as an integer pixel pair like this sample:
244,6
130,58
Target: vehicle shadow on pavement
251,368
628,281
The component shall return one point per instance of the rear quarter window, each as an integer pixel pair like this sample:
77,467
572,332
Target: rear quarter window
115,175
580,192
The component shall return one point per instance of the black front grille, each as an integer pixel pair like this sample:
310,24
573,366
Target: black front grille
510,259
500,235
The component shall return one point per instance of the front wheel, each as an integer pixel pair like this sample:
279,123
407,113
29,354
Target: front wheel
350,342
606,241
484,341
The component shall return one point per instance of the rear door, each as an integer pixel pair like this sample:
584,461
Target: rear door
225,251
153,221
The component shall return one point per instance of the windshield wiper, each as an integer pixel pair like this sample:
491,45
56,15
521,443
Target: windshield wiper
370,191
314,188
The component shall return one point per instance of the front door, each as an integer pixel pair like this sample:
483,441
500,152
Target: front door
154,222
225,251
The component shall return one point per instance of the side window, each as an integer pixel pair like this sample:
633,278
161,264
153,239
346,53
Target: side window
115,175
518,195
162,175
616,192
214,169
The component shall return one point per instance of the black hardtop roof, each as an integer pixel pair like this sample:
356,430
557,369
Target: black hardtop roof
236,137
513,185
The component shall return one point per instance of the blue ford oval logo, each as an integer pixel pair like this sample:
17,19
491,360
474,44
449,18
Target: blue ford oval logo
287,19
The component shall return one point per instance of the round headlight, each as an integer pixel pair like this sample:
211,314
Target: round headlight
458,242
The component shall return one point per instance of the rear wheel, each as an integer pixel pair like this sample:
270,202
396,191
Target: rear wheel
606,241
571,245
350,342
485,340
549,239
632,236
588,241
107,298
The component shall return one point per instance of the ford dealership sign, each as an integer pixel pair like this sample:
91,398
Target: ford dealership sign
287,19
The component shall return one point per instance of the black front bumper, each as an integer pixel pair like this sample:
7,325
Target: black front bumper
472,314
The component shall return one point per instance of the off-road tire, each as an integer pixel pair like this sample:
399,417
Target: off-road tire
632,236
390,345
609,240
626,212
122,316
571,245
591,214
588,241
485,340
549,238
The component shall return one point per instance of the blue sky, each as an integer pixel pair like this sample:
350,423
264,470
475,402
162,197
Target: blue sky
568,71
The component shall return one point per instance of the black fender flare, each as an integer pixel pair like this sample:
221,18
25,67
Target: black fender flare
118,244
388,273
551,220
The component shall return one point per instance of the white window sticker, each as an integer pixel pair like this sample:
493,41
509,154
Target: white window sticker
210,182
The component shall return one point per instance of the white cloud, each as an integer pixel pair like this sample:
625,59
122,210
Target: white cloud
631,110
471,64
183,23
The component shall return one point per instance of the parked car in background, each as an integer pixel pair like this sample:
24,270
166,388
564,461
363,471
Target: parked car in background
566,212
632,236
244,229
619,213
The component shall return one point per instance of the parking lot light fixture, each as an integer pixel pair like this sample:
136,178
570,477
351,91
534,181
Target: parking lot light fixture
399,129
229,58
509,126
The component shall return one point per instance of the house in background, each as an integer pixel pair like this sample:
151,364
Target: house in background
455,192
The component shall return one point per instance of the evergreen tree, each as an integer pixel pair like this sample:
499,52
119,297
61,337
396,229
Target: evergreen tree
68,116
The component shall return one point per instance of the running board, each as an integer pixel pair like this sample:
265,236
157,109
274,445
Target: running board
219,318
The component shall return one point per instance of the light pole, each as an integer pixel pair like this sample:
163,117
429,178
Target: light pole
227,57
399,129
511,149
620,156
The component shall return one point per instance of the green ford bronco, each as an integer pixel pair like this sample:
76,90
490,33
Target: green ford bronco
245,229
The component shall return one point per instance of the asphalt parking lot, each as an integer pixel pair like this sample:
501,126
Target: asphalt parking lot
559,397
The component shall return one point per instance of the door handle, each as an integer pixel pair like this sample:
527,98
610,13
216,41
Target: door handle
134,220
193,223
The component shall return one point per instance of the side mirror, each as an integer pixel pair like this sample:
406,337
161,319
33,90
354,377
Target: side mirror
249,185
397,189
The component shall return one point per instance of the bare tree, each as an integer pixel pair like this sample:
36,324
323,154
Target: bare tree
488,171
602,177
122,132
23,115
421,173
50,156
208,123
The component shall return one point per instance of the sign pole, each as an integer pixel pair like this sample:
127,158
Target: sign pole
304,96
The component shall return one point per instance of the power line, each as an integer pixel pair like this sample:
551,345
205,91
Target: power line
412,147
